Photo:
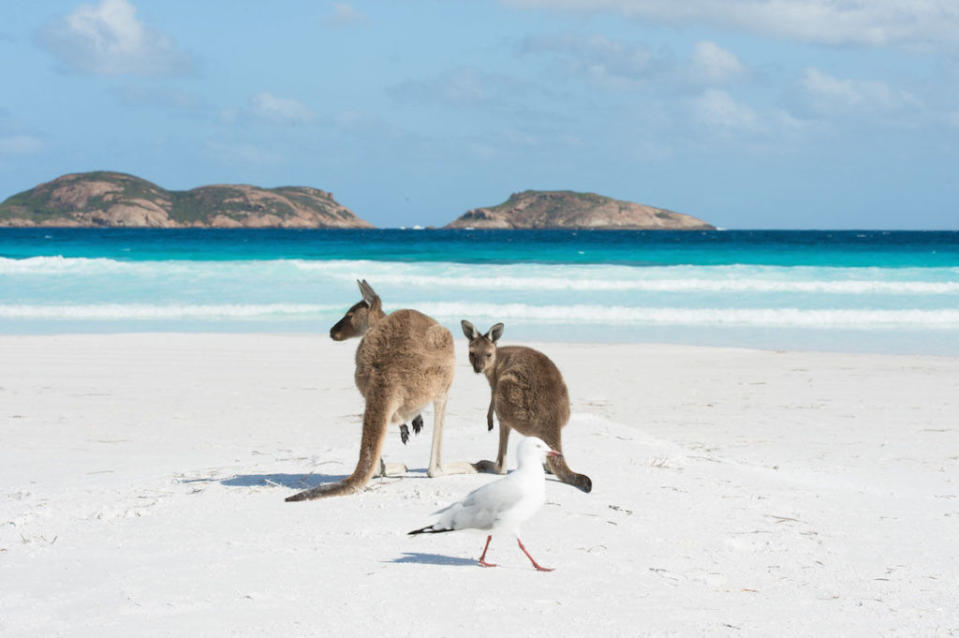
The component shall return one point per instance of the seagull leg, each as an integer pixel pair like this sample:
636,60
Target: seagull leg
482,559
531,559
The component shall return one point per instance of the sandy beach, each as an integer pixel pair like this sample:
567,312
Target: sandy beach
736,493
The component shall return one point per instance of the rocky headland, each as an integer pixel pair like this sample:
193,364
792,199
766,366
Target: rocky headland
110,199
567,209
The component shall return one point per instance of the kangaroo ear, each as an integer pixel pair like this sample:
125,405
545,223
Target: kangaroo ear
495,332
469,330
369,296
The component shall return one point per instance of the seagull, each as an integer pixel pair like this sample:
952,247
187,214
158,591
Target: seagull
504,504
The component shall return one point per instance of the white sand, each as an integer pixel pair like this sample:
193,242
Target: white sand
737,492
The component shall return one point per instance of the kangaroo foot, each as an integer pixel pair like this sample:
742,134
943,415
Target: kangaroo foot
417,423
456,467
389,469
488,467
405,433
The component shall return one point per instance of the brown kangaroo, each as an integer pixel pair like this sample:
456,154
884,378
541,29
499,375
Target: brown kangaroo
527,395
404,361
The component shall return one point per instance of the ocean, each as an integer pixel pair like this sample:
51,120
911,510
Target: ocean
869,291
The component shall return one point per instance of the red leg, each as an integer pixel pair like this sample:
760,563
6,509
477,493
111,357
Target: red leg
482,559
531,559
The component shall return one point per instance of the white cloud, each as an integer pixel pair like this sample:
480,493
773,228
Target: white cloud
599,58
463,87
919,24
280,109
718,111
756,130
711,64
832,96
617,64
109,39
344,15
20,145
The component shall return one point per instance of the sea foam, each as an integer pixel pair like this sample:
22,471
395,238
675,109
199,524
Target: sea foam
525,277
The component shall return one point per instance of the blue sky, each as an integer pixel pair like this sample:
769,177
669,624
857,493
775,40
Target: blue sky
746,113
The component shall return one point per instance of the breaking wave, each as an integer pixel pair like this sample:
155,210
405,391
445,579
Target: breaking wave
523,277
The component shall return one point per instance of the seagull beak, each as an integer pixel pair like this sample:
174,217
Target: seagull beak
553,453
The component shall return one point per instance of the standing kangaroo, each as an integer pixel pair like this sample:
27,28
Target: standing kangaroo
404,361
528,395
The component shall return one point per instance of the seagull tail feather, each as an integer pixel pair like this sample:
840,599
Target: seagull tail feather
429,529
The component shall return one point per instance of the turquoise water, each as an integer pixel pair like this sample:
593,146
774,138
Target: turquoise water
851,290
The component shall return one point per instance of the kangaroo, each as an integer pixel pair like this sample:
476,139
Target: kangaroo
405,360
527,395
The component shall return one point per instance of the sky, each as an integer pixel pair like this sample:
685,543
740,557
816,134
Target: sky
746,113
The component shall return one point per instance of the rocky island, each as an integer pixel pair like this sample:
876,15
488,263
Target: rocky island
109,199
566,209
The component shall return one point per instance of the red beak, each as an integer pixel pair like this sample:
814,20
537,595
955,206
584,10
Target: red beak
553,453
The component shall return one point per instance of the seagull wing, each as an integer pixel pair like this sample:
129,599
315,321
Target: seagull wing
482,508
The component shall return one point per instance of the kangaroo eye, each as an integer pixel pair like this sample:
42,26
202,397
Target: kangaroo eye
489,356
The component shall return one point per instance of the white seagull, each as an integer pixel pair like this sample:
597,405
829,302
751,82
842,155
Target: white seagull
503,505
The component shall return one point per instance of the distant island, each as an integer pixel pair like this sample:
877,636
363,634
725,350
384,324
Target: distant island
109,199
566,209
112,199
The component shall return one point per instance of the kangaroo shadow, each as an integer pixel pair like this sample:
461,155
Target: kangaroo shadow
433,559
294,481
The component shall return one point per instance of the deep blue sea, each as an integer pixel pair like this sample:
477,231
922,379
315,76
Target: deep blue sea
878,291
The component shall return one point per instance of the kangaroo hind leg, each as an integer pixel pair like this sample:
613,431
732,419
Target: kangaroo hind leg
437,467
499,467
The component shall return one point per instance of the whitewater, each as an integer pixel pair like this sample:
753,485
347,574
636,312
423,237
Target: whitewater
897,298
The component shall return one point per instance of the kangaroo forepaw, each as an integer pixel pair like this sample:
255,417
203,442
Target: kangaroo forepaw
405,432
417,423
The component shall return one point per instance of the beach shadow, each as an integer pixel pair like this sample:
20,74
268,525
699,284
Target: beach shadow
433,559
294,481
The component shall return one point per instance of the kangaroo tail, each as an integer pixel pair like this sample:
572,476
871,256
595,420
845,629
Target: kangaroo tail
375,422
557,465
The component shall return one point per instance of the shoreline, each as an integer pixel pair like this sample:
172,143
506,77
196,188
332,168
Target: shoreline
735,490
867,349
